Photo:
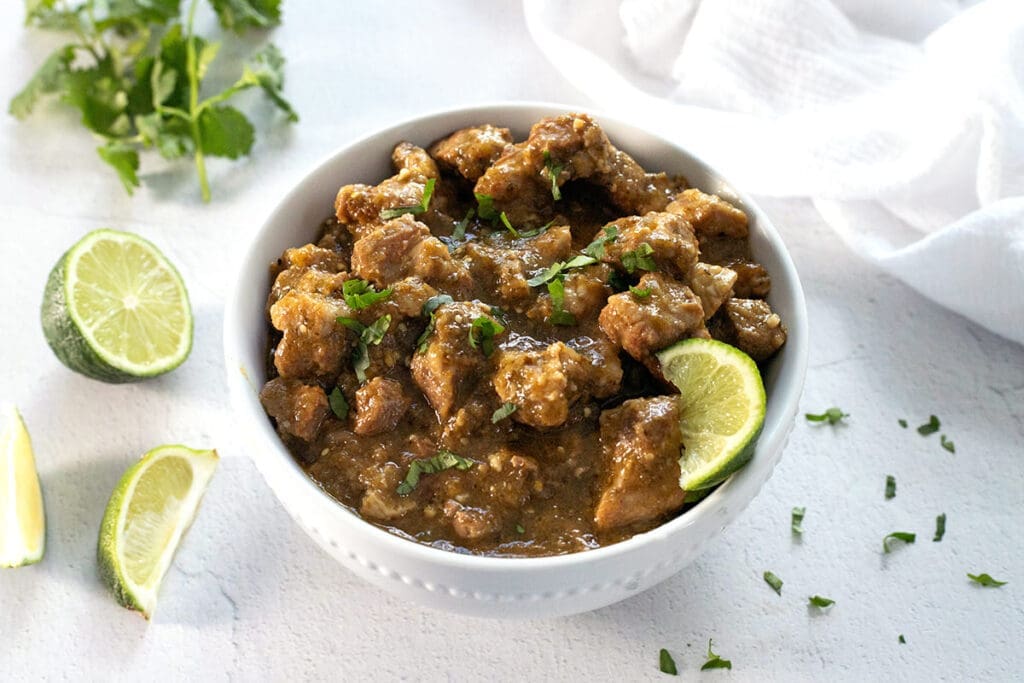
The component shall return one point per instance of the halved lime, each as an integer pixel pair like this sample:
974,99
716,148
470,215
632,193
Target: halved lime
116,310
22,519
722,404
147,516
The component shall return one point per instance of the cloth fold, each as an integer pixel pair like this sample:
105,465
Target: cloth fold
903,122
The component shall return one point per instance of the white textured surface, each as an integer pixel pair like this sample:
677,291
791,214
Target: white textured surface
250,597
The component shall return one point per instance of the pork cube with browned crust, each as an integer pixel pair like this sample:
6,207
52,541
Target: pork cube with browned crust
505,264
670,238
449,364
360,205
313,344
640,443
751,326
709,214
661,312
543,384
470,151
712,284
752,279
401,248
298,409
379,405
308,268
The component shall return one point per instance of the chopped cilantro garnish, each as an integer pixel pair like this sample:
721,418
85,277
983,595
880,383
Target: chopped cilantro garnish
459,233
986,580
929,427
890,487
580,260
444,460
902,423
485,206
666,664
796,520
372,334
818,601
361,294
940,527
536,231
554,170
339,406
773,581
640,293
832,416
903,640
429,306
947,444
559,316
640,258
482,332
596,248
550,272
520,529
904,536
415,209
504,411
508,224
714,661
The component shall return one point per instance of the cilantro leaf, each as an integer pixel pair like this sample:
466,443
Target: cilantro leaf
832,416
47,80
714,661
266,69
485,206
368,335
130,13
444,460
547,274
904,536
239,15
820,602
482,332
225,132
579,261
796,520
415,209
641,258
640,293
986,580
940,527
773,581
97,93
902,423
554,170
339,406
890,487
508,224
520,529
125,160
504,411
459,233
946,443
559,316
666,664
902,640
46,14
360,294
429,306
169,136
596,248
930,427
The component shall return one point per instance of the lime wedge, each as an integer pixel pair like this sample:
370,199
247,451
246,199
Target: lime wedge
148,513
722,405
116,310
22,519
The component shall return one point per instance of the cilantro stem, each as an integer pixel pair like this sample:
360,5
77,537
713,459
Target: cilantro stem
193,102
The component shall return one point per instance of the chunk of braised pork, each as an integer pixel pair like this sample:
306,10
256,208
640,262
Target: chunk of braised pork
470,151
506,264
671,240
379,405
298,409
449,365
751,326
752,279
313,344
542,383
360,205
640,443
712,284
471,523
519,180
401,248
511,478
709,214
667,312
308,268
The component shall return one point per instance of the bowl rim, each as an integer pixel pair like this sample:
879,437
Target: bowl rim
770,441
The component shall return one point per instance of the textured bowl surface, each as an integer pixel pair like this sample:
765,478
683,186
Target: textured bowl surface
487,586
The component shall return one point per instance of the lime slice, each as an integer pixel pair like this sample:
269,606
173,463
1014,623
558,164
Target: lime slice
22,520
722,405
148,513
116,310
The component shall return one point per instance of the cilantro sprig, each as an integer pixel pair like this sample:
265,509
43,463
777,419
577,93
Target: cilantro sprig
135,71
444,460
832,416
715,661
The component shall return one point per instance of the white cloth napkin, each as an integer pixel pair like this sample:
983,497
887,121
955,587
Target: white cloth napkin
903,121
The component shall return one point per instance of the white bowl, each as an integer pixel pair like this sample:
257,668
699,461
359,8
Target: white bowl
490,586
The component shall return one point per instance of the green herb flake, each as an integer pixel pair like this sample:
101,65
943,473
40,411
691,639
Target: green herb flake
536,231
554,170
339,406
548,274
559,316
596,248
459,233
504,411
482,332
832,416
903,641
520,529
820,602
902,423
930,427
429,307
579,261
773,581
904,536
368,335
485,206
796,520
714,661
435,302
508,224
890,487
986,580
666,664
940,527
947,444
415,209
360,294
640,293
444,460
641,258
